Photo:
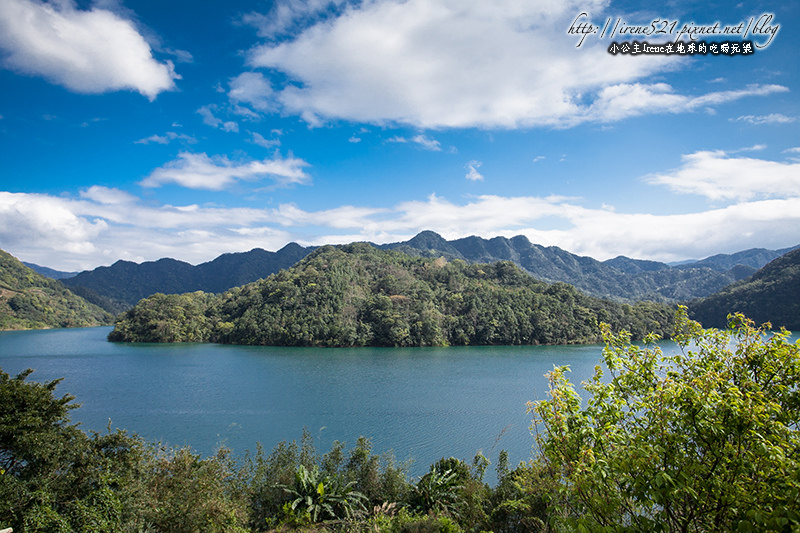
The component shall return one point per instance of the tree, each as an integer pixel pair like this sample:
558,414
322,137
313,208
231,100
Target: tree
703,439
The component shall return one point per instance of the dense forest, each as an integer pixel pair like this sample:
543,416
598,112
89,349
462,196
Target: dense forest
771,295
357,295
711,445
32,301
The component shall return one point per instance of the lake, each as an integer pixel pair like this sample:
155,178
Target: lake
420,403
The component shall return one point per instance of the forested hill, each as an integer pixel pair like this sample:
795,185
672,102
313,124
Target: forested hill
771,295
357,295
32,301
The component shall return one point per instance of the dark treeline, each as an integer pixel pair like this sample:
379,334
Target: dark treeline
357,295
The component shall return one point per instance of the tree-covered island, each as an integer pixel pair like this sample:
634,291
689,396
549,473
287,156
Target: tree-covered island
357,295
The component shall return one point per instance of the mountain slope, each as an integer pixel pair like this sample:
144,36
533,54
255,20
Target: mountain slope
29,300
357,295
771,295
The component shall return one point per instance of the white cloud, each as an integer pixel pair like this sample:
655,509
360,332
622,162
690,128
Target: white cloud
43,222
625,100
262,141
717,176
772,118
467,63
472,171
251,88
106,224
108,196
91,51
199,171
288,14
166,138
427,143
423,141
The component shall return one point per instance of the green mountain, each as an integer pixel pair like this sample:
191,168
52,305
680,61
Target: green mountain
621,278
772,294
358,295
119,286
29,300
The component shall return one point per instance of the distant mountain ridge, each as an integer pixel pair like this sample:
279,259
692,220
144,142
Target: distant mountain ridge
621,279
49,272
126,282
772,294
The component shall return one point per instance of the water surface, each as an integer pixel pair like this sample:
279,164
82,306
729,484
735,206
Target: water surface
422,403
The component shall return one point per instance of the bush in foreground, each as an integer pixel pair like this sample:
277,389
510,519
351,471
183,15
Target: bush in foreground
703,440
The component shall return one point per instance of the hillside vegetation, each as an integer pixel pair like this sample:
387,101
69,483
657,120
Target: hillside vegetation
771,295
32,301
357,295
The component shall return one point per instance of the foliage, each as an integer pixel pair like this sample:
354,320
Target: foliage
322,496
190,493
356,295
29,300
770,295
705,439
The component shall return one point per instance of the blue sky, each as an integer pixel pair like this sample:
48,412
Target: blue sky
141,129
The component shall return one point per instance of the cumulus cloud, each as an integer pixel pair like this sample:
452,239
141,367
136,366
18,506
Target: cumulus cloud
466,63
41,221
718,176
92,51
105,224
199,171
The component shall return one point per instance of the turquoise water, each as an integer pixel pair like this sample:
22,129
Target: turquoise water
420,403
